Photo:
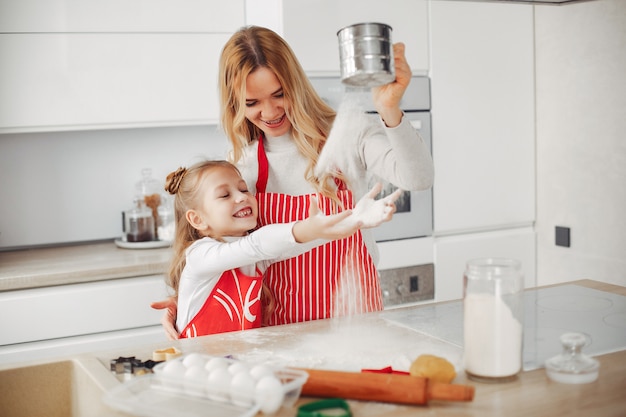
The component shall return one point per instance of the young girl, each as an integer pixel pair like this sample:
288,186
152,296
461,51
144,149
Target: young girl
217,266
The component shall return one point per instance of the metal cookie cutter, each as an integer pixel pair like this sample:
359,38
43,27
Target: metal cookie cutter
339,407
131,365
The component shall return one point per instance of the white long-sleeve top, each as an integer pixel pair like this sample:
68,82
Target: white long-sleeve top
396,155
207,259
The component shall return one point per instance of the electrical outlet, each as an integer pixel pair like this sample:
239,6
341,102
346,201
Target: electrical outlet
562,236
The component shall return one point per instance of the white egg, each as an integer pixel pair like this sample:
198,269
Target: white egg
216,363
194,359
195,380
259,371
269,394
174,373
242,389
237,367
218,384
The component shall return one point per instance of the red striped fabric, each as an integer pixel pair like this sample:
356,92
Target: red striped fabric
338,278
335,279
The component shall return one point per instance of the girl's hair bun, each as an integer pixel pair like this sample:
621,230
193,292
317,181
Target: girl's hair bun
173,180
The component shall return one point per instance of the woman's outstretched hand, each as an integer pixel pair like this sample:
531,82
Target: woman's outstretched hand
370,212
168,320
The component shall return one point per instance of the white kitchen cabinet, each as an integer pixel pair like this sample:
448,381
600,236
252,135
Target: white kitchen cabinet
84,81
453,252
310,27
47,16
483,115
76,65
61,313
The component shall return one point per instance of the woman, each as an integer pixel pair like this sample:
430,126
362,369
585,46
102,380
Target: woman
278,125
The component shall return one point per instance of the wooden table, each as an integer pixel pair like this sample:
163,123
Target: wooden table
532,394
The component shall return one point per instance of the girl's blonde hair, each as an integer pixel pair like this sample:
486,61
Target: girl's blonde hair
311,118
186,185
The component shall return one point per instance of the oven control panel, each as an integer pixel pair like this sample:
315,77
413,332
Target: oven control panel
407,285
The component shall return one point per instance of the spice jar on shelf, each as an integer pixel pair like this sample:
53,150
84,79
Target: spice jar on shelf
166,224
150,191
138,224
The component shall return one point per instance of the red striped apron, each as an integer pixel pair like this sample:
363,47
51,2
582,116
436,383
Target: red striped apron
335,279
234,304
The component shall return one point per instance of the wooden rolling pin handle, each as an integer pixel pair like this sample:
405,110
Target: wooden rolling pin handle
449,392
393,388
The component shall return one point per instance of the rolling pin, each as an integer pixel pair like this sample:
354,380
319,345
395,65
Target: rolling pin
391,388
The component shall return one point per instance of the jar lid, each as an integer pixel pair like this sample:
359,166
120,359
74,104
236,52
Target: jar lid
572,366
148,185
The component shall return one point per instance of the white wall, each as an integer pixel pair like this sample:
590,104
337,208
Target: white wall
581,140
72,186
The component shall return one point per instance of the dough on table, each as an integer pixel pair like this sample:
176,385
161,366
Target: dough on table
433,367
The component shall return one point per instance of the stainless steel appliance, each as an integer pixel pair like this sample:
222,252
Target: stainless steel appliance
415,209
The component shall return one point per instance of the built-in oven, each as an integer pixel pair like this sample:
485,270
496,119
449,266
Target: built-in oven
413,280
414,216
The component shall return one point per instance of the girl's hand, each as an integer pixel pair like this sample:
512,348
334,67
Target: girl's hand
320,226
168,321
387,97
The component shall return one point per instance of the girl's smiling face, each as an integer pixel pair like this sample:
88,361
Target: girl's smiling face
227,208
265,103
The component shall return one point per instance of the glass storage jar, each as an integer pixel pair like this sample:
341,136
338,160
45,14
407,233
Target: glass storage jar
138,223
493,304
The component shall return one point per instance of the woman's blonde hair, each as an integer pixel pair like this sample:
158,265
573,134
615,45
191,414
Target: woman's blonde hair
311,118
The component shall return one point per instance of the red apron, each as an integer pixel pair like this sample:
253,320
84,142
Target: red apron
234,304
338,278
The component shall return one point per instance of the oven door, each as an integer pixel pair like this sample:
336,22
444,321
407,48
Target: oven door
414,217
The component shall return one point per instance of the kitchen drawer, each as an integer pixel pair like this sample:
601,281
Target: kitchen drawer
79,309
56,82
453,252
121,15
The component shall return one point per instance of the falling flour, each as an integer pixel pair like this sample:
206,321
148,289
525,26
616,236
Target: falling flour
343,139
493,337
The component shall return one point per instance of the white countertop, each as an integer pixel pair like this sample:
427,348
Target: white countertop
34,268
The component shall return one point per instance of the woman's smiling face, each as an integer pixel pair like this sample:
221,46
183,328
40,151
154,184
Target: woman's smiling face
265,103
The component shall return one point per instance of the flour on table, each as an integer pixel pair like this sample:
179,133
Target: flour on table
349,345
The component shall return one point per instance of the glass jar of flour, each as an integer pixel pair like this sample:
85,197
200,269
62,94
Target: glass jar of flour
493,313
